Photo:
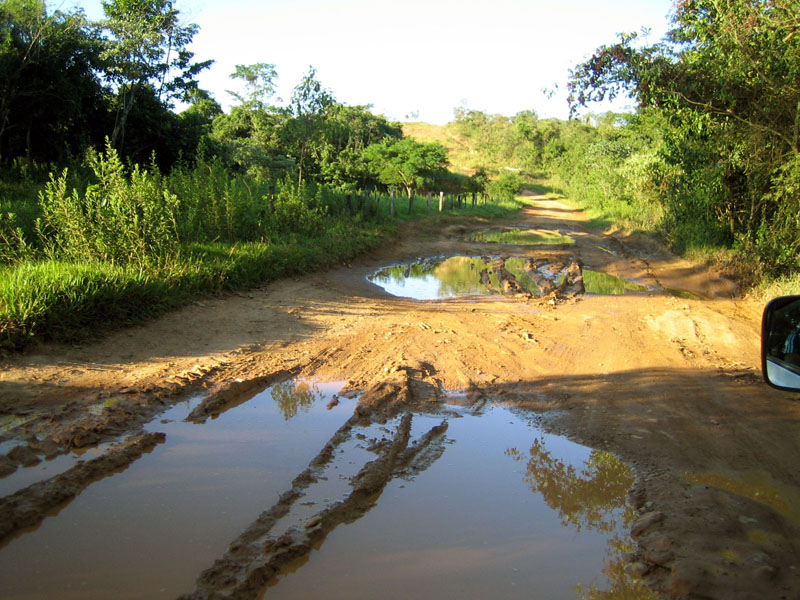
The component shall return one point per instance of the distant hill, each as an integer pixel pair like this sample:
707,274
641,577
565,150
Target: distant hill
462,157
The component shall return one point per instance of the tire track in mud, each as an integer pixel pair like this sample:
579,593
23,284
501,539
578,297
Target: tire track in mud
500,359
71,429
256,557
29,507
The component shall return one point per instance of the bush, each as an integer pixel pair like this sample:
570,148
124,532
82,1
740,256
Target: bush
121,220
505,187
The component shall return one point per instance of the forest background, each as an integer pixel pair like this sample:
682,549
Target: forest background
115,207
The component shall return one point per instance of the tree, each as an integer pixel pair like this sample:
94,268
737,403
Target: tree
146,46
306,130
406,162
251,135
727,76
259,79
348,131
50,98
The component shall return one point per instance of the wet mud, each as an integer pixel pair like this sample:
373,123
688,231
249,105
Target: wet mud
286,534
258,555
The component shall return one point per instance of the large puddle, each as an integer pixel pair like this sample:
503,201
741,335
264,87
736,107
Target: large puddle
490,506
148,531
435,278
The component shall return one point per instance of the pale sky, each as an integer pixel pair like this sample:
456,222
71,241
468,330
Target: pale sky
413,56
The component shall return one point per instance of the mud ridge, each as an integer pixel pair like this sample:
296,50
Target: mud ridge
255,558
235,393
29,506
97,418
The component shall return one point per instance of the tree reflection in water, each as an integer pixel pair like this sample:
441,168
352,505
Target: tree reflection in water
593,496
293,396
455,276
462,275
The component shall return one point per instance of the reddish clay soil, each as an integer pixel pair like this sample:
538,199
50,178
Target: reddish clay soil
670,385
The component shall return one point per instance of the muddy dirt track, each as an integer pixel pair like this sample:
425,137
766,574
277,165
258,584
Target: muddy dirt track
668,381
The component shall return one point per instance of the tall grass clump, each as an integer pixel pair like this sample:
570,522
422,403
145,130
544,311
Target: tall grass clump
213,205
120,219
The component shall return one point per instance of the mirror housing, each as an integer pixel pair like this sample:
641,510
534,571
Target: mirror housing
780,343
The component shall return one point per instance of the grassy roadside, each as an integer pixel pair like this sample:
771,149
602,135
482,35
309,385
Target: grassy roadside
67,301
55,295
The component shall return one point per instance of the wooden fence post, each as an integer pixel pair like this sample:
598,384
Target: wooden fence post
474,199
441,201
392,210
429,202
411,201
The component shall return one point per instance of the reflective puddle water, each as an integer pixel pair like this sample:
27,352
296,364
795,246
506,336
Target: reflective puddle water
507,511
597,282
486,504
438,278
434,278
148,531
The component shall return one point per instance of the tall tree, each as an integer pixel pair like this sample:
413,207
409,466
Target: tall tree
259,79
306,130
147,46
49,93
250,137
349,130
728,76
407,162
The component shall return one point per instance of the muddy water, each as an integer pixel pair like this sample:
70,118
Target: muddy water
499,508
147,532
435,278
507,511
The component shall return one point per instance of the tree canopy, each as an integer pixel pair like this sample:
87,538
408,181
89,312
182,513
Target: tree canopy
406,162
50,96
727,76
146,46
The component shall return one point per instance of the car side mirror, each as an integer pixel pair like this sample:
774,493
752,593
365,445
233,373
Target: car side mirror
780,343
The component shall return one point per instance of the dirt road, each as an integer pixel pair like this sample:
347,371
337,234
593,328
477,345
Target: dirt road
668,381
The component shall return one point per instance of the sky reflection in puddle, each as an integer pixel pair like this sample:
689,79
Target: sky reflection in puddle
148,531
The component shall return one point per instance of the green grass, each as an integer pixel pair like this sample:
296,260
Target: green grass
488,210
542,188
521,237
62,300
788,285
116,245
596,282
69,301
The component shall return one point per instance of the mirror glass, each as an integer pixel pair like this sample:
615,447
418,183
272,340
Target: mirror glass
781,343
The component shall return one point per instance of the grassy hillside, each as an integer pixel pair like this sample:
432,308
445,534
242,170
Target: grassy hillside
462,156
